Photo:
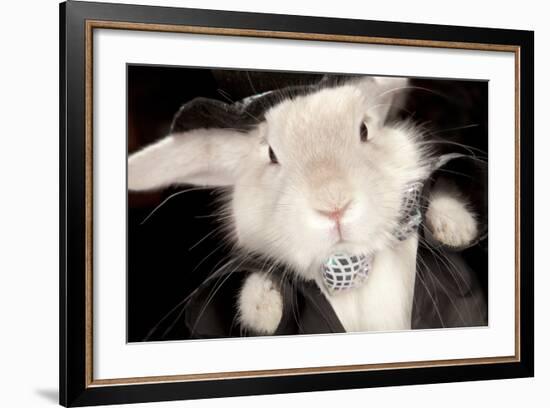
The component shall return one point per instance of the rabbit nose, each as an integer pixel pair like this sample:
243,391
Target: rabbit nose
335,214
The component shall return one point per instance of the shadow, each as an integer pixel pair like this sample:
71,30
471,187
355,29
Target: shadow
51,395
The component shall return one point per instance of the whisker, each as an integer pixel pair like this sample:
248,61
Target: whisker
213,293
214,231
170,197
455,128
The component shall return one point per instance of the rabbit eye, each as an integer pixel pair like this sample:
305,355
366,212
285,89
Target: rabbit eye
364,132
272,156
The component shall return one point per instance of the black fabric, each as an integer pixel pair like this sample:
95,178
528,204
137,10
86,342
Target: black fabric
244,114
446,295
212,310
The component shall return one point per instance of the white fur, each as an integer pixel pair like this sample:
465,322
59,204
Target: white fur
260,304
276,208
448,217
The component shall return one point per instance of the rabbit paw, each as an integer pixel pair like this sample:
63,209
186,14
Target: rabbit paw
260,304
449,219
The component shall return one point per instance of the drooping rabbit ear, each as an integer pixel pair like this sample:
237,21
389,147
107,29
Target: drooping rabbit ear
208,157
384,95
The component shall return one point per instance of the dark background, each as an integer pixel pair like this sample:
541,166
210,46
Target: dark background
162,251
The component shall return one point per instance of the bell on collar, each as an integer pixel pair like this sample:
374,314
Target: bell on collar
411,216
343,271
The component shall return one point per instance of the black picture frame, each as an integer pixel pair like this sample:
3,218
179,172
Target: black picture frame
77,387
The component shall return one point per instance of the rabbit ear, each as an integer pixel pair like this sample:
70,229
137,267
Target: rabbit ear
384,94
207,157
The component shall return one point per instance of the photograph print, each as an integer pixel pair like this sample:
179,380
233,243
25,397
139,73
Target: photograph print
264,203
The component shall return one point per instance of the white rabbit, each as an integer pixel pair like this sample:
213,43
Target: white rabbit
322,173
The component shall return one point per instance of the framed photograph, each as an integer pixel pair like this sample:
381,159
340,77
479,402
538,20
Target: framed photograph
255,203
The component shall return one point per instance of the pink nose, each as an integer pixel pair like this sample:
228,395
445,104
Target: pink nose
335,214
